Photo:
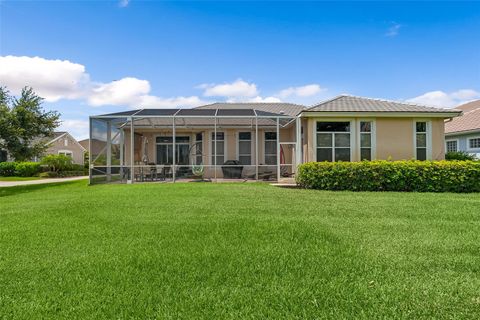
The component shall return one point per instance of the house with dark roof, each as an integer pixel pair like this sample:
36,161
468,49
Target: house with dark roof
463,133
261,140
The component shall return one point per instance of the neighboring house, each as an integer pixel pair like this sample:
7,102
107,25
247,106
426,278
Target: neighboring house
265,139
66,144
463,133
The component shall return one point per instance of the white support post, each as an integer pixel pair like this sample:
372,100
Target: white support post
278,149
122,153
256,148
298,143
132,157
90,162
215,149
109,151
174,151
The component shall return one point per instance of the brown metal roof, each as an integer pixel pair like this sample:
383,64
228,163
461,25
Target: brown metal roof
347,103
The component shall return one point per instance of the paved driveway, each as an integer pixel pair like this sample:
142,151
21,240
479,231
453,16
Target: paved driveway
42,181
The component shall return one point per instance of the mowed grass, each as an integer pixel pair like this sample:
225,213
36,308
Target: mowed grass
235,251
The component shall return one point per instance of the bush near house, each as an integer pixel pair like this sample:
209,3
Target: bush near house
7,169
27,169
459,155
419,176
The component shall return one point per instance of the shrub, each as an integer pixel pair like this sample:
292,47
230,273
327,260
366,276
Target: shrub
49,174
419,176
459,155
57,163
27,169
7,169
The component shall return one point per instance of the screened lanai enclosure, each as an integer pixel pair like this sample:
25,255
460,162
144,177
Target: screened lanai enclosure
159,145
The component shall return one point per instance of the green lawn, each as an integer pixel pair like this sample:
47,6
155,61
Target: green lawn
235,251
19,178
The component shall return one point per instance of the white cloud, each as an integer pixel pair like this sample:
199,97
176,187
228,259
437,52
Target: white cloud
77,128
393,30
302,91
51,79
266,99
61,79
123,3
446,100
236,89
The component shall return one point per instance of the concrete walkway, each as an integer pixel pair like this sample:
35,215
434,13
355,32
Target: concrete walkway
41,181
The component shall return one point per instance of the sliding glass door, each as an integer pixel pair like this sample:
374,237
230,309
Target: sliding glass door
165,150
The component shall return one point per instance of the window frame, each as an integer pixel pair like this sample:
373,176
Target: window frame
212,147
352,132
451,140
251,147
373,138
428,138
171,144
468,144
67,153
265,154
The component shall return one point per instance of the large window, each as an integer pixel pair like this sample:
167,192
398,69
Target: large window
451,146
365,140
65,153
220,148
474,143
271,148
245,148
165,150
333,141
421,140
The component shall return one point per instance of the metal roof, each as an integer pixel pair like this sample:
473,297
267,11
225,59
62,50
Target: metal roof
347,103
290,109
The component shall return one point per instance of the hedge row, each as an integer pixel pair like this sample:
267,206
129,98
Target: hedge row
419,176
19,169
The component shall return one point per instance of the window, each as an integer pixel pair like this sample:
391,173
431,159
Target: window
451,146
365,140
333,141
165,150
199,148
65,153
421,140
245,148
474,143
65,142
220,148
271,148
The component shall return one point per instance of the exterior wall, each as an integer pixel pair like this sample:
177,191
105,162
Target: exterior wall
462,142
71,145
392,139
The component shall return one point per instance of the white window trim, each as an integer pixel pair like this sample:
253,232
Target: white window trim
468,144
237,151
210,147
373,137
65,151
263,144
65,142
429,137
450,140
353,139
168,134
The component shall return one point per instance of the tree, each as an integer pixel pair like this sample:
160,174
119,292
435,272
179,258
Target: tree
24,124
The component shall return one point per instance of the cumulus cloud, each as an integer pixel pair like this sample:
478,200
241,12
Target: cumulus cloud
266,99
302,91
51,79
236,89
447,100
62,79
77,128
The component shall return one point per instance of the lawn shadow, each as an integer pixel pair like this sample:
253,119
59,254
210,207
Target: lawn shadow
15,190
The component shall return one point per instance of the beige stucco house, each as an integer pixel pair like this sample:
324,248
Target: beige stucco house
64,143
261,140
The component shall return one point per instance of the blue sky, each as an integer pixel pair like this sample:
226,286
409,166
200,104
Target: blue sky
92,57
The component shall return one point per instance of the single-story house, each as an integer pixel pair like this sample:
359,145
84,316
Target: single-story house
64,143
261,140
463,133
